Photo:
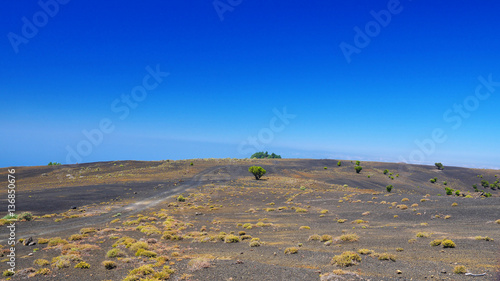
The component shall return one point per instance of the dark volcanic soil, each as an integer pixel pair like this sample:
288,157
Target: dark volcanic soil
294,201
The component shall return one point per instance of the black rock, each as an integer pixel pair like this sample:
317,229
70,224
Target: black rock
28,241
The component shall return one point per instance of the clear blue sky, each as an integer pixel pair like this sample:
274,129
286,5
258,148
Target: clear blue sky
65,67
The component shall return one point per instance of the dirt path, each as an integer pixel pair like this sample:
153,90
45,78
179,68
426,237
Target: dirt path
214,174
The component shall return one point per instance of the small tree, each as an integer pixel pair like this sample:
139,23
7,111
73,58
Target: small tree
358,163
339,163
358,169
257,171
439,166
386,171
388,188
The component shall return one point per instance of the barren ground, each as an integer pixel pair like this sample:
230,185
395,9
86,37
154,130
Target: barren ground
295,201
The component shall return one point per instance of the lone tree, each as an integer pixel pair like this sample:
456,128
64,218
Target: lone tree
339,163
257,171
439,166
358,169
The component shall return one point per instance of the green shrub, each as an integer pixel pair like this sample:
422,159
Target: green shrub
365,251
257,171
231,239
433,180
389,188
447,243
41,262
436,242
181,198
82,265
358,169
261,155
145,253
314,237
386,257
27,216
109,264
350,237
459,269
439,166
115,253
345,259
7,273
339,163
291,250
386,171
449,191
254,244
87,230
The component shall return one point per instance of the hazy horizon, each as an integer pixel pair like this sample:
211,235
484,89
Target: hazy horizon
390,81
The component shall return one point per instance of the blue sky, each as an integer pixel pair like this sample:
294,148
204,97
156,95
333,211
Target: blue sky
235,66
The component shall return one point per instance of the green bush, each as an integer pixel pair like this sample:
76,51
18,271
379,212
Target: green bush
257,171
433,180
449,191
439,166
485,183
386,171
260,155
27,216
389,188
339,163
447,243
358,163
181,198
358,169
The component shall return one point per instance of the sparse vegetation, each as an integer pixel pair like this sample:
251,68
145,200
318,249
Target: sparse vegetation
387,257
291,250
346,259
351,237
459,269
447,243
109,264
